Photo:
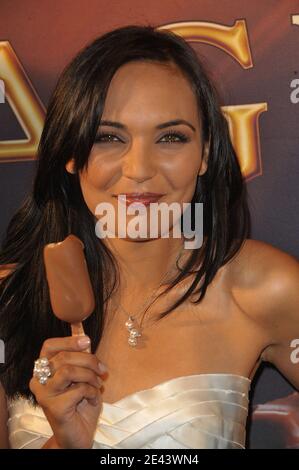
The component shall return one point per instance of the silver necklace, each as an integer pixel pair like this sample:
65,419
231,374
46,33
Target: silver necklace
135,330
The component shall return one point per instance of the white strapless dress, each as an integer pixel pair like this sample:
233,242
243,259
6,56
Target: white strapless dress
201,411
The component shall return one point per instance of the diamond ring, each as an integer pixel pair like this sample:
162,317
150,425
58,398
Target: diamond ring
42,370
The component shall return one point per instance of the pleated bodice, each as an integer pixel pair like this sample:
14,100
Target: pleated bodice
200,411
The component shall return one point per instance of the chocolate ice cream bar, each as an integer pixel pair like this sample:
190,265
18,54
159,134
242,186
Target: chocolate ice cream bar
70,288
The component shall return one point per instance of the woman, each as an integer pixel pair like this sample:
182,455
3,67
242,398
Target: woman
135,112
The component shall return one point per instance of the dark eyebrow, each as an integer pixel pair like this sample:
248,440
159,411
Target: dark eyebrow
174,122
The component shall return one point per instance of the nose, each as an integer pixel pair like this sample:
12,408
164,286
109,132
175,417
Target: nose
138,163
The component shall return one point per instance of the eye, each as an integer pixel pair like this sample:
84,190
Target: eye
175,137
104,138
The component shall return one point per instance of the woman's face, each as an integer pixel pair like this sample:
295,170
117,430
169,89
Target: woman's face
142,153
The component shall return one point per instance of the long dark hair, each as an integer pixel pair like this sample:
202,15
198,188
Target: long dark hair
55,207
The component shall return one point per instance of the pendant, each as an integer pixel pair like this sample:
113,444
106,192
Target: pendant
134,333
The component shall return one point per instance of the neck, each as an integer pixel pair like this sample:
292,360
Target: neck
142,264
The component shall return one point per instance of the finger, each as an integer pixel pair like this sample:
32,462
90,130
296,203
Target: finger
44,394
71,398
68,374
33,386
69,343
80,359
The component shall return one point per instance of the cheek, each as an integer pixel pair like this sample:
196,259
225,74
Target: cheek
181,171
93,183
100,171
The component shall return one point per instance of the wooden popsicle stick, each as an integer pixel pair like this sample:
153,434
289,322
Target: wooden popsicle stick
78,330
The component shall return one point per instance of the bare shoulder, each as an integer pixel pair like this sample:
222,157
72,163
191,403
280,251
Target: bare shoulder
264,279
257,260
265,285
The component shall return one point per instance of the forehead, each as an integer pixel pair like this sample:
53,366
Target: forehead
148,92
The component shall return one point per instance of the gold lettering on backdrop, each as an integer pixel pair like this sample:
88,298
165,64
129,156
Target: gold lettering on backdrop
244,131
231,39
242,119
24,102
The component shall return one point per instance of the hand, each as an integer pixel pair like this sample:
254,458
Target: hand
71,399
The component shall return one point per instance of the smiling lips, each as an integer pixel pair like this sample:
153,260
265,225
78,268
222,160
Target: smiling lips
138,198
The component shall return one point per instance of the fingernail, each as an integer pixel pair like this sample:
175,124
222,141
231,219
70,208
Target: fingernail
100,382
84,342
102,367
